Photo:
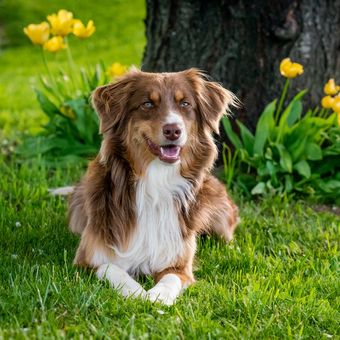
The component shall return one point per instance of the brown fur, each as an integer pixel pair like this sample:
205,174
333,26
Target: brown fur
102,208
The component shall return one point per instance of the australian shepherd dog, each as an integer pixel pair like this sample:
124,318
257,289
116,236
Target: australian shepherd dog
149,192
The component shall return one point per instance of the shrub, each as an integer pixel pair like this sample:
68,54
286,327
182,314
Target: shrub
288,153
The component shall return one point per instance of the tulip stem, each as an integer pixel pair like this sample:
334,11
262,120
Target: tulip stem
46,66
283,97
72,65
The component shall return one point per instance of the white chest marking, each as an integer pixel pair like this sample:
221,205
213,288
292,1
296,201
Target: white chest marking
158,240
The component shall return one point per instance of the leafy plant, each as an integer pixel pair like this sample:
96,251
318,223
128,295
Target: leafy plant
72,129
288,152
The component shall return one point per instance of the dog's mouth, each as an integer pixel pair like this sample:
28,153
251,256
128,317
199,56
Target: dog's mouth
167,153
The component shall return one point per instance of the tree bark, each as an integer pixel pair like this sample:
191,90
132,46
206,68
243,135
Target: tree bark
240,43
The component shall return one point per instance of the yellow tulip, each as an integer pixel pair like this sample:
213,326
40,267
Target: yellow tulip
327,102
81,31
289,69
330,87
336,104
61,23
117,69
38,34
55,44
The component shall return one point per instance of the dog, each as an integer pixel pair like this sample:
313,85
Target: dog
149,192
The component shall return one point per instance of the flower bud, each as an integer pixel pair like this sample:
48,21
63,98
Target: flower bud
61,23
289,69
81,31
116,70
330,88
55,44
336,104
327,102
38,34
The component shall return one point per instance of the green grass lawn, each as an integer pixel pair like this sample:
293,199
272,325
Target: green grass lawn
278,279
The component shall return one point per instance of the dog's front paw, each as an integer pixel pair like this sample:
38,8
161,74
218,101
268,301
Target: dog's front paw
161,294
121,281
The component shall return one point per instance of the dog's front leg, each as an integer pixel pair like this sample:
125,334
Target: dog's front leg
94,253
166,290
120,280
171,283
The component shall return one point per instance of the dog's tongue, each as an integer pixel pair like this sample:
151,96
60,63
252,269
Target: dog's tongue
169,153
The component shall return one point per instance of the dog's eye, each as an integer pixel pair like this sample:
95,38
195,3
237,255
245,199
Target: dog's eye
147,105
184,104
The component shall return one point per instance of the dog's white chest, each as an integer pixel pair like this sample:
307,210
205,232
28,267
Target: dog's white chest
157,241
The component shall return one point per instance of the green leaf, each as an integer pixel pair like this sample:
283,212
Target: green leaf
231,134
84,122
313,151
291,114
331,186
328,165
46,104
303,168
295,113
263,127
259,189
271,168
247,138
297,148
288,183
262,170
285,158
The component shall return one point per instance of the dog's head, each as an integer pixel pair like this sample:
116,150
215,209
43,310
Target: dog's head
157,115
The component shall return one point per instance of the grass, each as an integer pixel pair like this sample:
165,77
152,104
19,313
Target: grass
278,279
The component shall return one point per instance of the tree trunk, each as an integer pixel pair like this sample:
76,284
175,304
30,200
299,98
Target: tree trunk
240,43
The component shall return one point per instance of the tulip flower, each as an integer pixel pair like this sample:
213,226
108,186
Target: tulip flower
38,34
55,44
327,102
336,104
289,69
330,87
61,23
117,69
81,31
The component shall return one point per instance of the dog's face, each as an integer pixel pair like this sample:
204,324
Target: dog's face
156,115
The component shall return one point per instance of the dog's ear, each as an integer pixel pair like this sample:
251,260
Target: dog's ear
110,101
213,100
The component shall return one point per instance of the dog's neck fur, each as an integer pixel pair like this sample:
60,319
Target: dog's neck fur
157,240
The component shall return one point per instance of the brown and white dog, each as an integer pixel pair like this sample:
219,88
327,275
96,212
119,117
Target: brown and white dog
149,191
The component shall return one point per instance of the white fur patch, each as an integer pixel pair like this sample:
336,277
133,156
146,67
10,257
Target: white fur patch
166,290
157,242
99,257
120,280
175,118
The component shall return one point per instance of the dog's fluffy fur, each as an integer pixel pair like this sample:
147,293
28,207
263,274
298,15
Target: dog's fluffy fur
145,197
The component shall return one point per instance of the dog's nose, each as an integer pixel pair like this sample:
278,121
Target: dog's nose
171,131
